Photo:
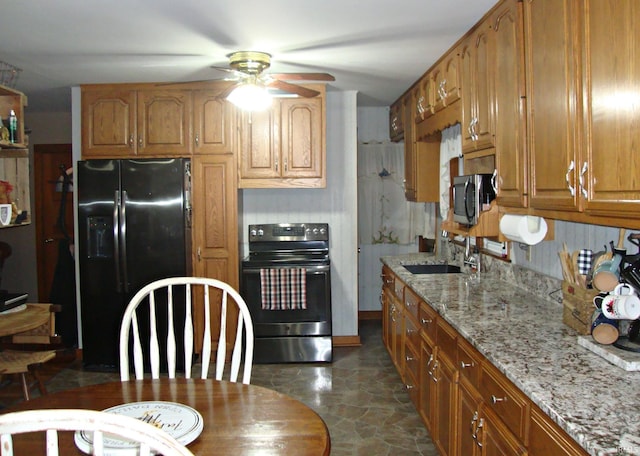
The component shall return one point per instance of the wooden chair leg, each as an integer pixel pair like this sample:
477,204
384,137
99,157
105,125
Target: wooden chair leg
25,387
33,369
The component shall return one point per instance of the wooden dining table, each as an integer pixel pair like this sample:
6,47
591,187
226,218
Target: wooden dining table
32,317
238,419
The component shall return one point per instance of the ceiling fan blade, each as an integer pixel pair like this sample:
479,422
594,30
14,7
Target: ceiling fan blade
302,76
293,88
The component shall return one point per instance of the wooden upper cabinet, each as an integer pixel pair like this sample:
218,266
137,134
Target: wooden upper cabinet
611,84
476,79
164,122
396,121
124,122
108,122
284,146
446,81
509,100
552,99
424,103
213,123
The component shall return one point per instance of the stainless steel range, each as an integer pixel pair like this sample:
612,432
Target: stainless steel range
286,282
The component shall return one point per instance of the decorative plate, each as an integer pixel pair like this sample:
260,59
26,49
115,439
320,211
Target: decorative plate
180,421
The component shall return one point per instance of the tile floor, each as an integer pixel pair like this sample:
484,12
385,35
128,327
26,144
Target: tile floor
359,395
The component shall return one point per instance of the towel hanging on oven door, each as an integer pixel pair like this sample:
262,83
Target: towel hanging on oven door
283,288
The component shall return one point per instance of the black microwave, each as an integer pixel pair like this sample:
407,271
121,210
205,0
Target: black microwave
470,194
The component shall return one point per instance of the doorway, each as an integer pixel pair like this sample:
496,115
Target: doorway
50,160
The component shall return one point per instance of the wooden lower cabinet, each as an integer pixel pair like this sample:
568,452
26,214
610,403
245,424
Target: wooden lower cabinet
495,438
468,413
547,439
427,385
445,378
468,406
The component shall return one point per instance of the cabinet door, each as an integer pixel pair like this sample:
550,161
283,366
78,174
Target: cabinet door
214,228
445,377
509,101
446,81
410,149
213,123
468,94
468,410
427,384
302,137
484,122
552,102
396,121
108,123
611,82
164,122
425,98
214,232
260,144
547,439
496,438
476,78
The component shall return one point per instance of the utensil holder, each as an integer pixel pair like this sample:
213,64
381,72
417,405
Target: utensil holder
577,303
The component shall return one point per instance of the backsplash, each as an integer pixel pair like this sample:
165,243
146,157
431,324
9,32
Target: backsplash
543,286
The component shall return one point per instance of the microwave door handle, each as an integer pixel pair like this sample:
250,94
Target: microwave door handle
467,199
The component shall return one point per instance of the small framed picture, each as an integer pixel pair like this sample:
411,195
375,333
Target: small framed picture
5,214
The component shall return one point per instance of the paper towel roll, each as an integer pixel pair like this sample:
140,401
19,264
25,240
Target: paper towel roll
527,229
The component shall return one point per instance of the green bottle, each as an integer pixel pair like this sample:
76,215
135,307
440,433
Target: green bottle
13,127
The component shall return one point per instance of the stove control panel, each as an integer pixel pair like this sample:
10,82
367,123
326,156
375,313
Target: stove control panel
289,232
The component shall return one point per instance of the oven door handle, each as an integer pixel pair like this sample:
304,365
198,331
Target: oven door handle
314,269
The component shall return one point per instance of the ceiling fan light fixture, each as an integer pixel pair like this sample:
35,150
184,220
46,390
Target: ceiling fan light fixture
250,97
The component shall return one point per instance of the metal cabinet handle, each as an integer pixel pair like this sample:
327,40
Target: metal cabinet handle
140,141
494,177
472,426
409,358
394,123
197,139
464,365
426,321
131,140
409,387
585,166
199,253
433,372
495,399
571,188
479,428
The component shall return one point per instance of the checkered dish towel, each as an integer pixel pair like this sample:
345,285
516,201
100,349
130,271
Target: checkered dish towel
283,288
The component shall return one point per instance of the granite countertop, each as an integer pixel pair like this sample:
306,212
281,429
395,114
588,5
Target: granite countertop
522,334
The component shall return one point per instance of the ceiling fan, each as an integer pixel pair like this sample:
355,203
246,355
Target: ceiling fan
248,68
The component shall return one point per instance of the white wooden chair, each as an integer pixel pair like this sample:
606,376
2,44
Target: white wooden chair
166,288
152,440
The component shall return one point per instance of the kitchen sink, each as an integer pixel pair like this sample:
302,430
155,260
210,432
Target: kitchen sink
432,268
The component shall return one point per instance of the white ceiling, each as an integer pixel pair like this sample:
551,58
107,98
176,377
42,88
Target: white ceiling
377,47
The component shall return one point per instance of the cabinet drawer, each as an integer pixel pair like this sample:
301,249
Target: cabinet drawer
469,362
398,287
505,399
388,278
411,331
427,317
412,302
446,339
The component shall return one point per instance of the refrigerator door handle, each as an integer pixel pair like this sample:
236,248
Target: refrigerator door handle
123,240
116,239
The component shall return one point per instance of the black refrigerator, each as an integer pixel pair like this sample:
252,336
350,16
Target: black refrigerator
134,228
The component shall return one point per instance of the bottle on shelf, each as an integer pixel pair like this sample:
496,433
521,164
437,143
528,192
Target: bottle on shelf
13,127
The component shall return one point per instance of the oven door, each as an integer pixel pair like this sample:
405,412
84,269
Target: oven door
315,320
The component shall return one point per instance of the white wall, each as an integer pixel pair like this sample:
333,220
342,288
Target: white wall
336,205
